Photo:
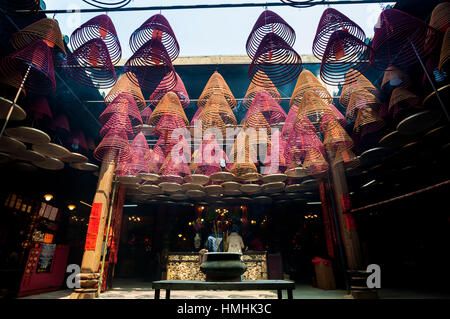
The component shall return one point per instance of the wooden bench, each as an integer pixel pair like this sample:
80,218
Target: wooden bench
278,285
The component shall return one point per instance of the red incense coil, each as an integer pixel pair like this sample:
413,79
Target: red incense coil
125,85
118,121
145,114
124,103
267,86
114,147
39,108
179,90
268,107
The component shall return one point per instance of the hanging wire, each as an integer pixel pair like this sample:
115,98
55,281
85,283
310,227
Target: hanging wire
106,5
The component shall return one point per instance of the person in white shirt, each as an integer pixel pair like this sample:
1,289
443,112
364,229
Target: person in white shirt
235,242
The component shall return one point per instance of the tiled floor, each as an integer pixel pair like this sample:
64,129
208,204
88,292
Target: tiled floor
131,289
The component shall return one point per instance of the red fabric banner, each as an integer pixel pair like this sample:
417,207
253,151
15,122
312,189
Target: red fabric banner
94,223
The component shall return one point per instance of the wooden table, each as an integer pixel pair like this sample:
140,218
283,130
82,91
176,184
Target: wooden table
278,285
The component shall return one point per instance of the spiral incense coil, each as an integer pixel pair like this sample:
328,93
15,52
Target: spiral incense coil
175,167
361,83
113,147
445,52
212,122
156,160
301,140
169,105
91,65
60,124
77,141
306,82
395,77
278,151
396,32
315,162
217,103
254,89
145,114
257,121
99,27
289,122
276,59
268,22
338,115
216,85
118,121
39,108
264,103
358,100
45,29
336,137
345,156
111,4
124,103
156,27
35,57
150,65
440,17
209,158
331,21
125,85
404,98
244,155
167,124
367,122
179,90
344,58
196,115
139,154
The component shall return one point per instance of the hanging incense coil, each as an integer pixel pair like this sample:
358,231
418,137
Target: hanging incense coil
344,58
306,82
139,154
179,90
39,108
167,124
244,155
402,100
118,121
125,85
156,159
124,103
367,122
396,33
212,123
267,86
338,115
258,122
91,65
289,122
77,141
35,57
394,77
440,17
360,99
113,147
277,60
275,161
45,29
196,116
361,83
445,52
150,65
145,114
335,138
209,158
60,124
178,167
302,139
99,27
111,4
331,21
216,84
264,104
268,22
315,162
217,104
156,27
169,105
345,156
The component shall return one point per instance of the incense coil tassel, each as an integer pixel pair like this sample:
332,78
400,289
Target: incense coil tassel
440,17
99,27
35,57
361,83
332,20
156,27
118,121
45,29
91,65
345,57
358,100
267,106
150,64
39,108
396,32
254,89
276,59
124,103
268,22
125,85
113,147
179,90
306,82
445,52
216,84
168,105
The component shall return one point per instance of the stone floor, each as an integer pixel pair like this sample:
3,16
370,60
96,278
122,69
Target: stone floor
132,289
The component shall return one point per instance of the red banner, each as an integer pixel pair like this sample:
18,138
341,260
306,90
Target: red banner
94,223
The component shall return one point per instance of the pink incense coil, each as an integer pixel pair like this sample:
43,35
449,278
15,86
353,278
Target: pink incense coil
125,85
139,154
91,65
35,57
179,90
114,147
150,65
277,60
77,141
343,56
163,143
39,108
196,115
277,150
60,124
118,121
339,116
124,103
123,169
268,22
289,122
156,160
264,103
99,27
304,139
210,157
331,21
145,114
396,33
167,124
177,166
156,27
